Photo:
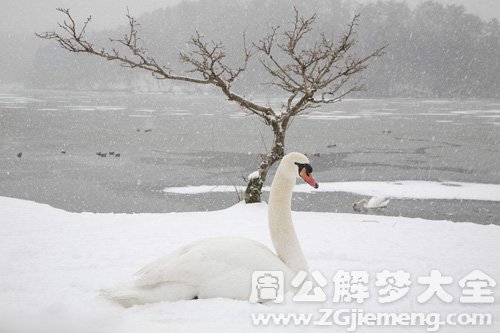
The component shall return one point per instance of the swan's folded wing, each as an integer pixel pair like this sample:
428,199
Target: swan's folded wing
208,260
162,261
377,202
191,264
168,268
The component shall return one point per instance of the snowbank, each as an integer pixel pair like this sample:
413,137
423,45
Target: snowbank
409,189
53,262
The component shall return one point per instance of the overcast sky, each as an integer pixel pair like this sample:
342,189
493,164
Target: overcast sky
487,9
27,16
38,15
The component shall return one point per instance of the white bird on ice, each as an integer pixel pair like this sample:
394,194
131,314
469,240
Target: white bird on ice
373,203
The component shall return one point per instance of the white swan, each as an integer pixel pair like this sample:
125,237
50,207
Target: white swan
223,266
373,203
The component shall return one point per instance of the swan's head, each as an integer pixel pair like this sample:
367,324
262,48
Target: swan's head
358,206
297,165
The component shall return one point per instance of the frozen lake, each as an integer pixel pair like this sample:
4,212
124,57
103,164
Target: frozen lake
166,141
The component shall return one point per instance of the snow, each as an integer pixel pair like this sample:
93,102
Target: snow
408,189
54,262
253,175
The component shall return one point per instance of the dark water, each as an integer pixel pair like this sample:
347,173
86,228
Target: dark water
166,140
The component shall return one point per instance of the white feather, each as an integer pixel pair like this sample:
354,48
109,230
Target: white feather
377,202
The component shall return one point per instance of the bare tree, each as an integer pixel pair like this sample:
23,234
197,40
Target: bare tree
310,74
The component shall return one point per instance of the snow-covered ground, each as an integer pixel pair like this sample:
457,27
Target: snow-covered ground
408,189
53,263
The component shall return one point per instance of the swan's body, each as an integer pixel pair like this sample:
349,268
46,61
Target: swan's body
373,203
213,267
223,266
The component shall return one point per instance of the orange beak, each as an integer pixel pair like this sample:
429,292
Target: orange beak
308,178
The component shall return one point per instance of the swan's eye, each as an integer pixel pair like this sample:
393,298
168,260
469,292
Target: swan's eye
306,166
309,169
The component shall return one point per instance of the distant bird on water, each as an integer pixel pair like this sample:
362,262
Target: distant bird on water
373,203
20,154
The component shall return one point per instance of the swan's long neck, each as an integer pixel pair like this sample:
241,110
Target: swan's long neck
283,234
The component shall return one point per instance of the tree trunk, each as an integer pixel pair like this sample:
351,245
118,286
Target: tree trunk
253,191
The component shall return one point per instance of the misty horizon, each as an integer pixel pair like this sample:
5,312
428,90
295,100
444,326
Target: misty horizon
20,44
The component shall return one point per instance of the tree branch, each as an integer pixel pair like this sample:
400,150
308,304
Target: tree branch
314,72
311,72
206,59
